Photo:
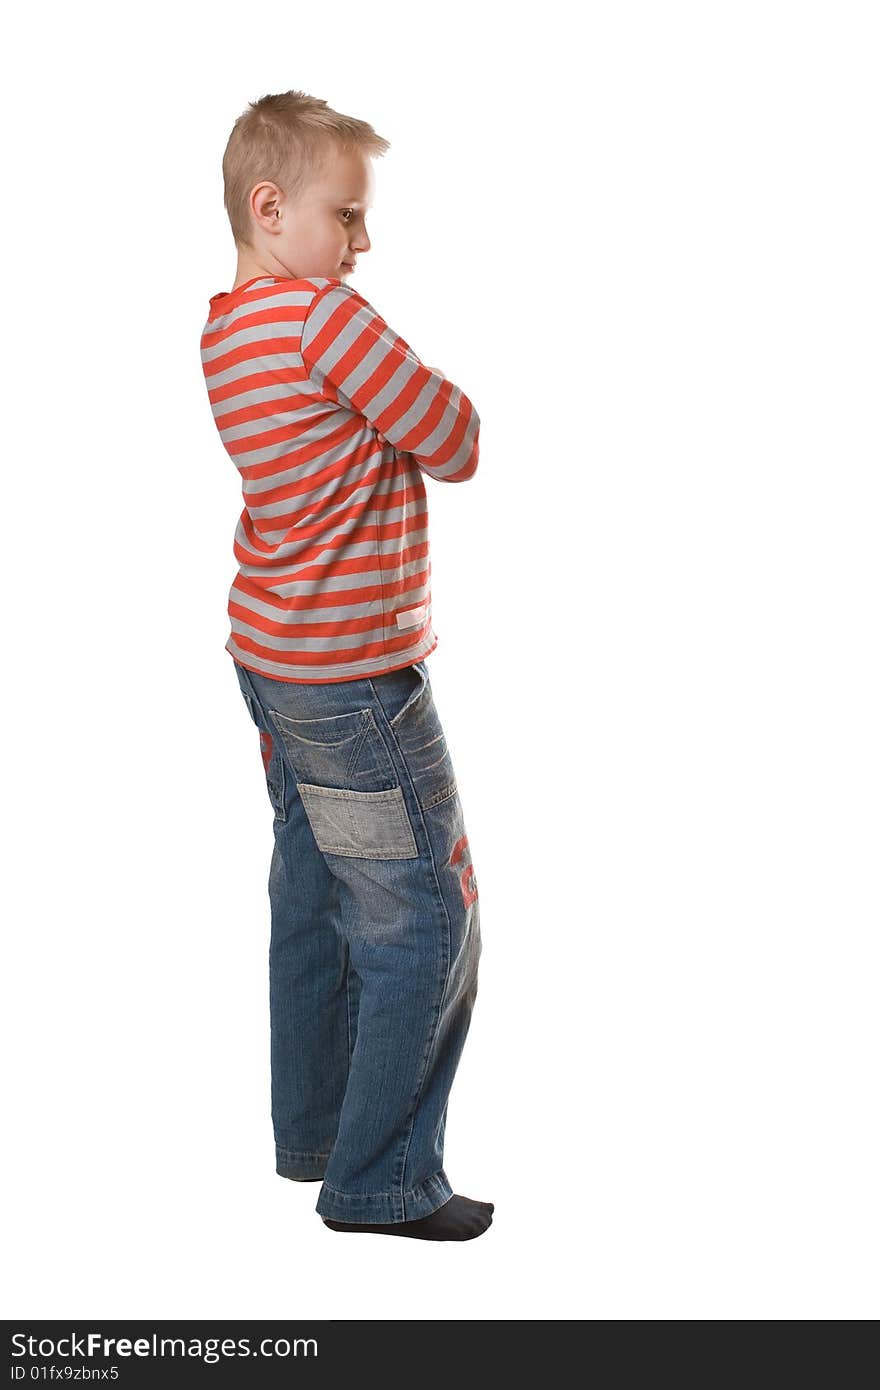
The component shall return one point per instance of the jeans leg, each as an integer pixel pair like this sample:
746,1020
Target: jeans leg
427,767
312,1003
417,951
309,1003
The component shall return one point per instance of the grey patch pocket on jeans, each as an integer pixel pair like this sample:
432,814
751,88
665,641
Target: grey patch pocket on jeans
361,825
348,785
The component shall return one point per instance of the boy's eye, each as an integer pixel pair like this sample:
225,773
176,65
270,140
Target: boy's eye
350,210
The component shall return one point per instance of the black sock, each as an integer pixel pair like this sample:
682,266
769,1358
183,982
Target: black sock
461,1218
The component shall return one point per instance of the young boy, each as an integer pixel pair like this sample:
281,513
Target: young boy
332,420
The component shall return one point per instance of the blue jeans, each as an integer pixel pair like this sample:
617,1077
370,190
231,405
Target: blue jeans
375,938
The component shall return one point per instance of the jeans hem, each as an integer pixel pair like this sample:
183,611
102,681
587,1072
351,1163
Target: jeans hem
383,1208
300,1166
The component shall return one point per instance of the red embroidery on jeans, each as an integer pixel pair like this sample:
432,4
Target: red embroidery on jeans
265,748
467,880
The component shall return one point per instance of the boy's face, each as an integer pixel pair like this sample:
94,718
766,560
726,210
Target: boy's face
323,231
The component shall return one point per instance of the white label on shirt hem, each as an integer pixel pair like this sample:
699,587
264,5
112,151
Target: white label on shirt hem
410,617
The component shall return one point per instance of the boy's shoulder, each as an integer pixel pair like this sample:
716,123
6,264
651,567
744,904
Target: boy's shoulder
281,292
326,289
318,287
318,283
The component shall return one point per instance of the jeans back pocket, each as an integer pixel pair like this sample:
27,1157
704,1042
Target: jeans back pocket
349,787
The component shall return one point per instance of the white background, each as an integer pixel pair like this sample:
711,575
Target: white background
647,249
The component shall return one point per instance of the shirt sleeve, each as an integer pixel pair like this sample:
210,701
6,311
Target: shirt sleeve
353,357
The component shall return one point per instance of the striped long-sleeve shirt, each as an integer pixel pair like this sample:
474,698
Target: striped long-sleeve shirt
331,420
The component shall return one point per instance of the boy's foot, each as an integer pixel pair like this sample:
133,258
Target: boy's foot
461,1218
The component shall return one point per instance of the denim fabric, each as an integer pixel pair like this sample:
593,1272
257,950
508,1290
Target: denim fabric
375,937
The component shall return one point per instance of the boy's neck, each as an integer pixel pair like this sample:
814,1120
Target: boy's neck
248,270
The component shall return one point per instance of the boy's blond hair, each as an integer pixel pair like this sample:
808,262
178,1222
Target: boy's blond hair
285,138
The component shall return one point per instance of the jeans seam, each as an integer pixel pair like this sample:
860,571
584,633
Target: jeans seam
348,1007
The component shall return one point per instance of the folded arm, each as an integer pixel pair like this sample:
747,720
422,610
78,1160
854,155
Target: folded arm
354,357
